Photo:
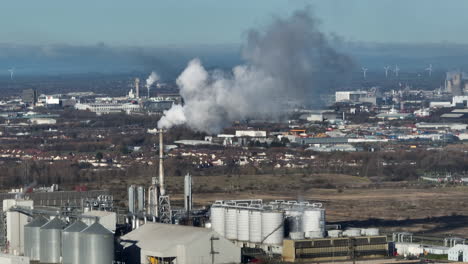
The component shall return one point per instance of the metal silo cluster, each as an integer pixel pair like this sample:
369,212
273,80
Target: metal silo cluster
255,222
54,242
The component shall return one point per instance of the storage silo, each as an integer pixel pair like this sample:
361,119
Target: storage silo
272,227
141,199
96,245
255,226
131,199
217,219
32,238
71,243
230,227
243,225
313,223
51,239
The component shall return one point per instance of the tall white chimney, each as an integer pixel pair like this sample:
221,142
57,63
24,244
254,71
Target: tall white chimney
137,87
188,192
161,163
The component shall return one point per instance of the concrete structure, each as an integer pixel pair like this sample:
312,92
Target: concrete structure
43,121
15,224
11,259
460,101
29,96
105,218
458,253
180,244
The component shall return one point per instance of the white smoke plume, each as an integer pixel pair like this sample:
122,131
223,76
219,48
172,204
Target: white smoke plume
290,60
152,78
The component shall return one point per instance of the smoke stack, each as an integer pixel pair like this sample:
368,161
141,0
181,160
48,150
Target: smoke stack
188,193
161,163
137,87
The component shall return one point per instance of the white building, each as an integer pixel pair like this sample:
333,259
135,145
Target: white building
11,259
458,253
349,96
460,100
107,108
176,244
42,121
250,133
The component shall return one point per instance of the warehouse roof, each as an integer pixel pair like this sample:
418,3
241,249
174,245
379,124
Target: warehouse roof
164,238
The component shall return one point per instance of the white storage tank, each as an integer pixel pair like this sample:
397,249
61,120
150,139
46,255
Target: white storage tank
243,230
352,232
32,238
230,227
370,232
272,227
51,241
313,223
217,219
96,245
335,233
255,226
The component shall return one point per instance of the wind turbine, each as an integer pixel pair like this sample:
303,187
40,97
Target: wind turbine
12,72
429,69
364,71
396,70
386,68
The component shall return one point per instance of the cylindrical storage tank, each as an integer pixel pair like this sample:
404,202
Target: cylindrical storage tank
352,232
313,221
272,227
370,232
243,225
217,219
296,235
230,227
51,240
71,243
335,233
32,238
96,245
255,226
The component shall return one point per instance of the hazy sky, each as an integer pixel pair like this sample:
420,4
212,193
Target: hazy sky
185,22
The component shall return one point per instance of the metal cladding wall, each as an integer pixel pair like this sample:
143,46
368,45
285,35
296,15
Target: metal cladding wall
272,227
71,243
51,240
217,219
96,245
32,234
255,226
131,199
243,225
230,227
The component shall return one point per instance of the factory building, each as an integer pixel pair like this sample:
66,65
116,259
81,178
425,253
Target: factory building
163,243
335,249
107,108
458,253
29,96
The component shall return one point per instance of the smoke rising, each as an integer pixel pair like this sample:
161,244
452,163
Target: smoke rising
290,60
152,78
